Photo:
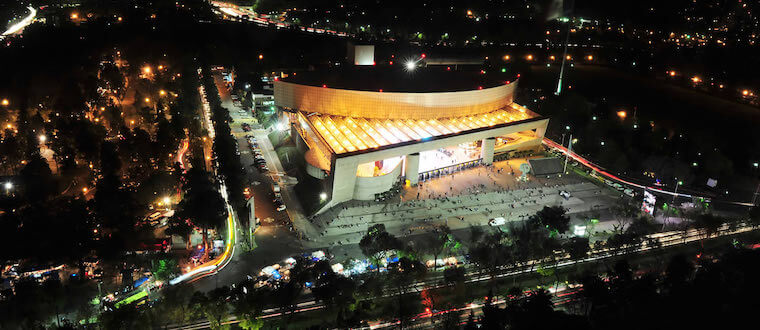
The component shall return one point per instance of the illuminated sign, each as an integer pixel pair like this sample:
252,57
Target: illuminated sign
648,204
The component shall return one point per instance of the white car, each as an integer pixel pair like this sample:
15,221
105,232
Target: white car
498,221
564,194
281,207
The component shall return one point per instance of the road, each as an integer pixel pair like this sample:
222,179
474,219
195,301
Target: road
554,145
19,27
666,239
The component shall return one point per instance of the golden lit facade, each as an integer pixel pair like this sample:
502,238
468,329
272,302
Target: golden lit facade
351,134
361,143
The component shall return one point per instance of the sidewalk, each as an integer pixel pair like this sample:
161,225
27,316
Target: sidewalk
294,209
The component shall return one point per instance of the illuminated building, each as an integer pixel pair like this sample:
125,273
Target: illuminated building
366,128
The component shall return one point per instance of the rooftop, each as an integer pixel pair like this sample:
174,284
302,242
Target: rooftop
396,78
346,134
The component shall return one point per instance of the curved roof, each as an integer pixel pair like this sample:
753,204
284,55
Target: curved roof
396,78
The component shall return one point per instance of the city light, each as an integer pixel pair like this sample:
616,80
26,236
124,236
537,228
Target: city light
695,79
672,73
745,92
42,138
410,65
506,57
162,92
590,57
261,56
74,15
322,196
622,114
6,102
167,200
146,70
8,185
84,190
147,100
160,67
529,57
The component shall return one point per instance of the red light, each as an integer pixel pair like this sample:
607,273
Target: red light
480,87
276,78
507,82
393,56
448,68
427,310
423,55
391,62
381,90
518,75
324,86
373,63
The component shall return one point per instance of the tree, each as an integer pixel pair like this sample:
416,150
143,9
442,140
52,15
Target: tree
576,247
248,302
165,268
213,306
37,180
378,240
553,218
442,243
754,216
709,223
401,275
625,210
202,204
177,299
334,289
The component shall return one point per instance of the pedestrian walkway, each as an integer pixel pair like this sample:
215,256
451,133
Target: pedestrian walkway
468,198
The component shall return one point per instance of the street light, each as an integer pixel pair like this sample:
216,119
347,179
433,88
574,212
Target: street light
6,102
8,185
42,138
322,196
167,200
410,65
162,92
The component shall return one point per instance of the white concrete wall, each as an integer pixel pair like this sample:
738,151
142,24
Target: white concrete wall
412,168
344,168
486,150
366,187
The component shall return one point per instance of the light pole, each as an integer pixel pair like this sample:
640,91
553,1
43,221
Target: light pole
672,202
568,151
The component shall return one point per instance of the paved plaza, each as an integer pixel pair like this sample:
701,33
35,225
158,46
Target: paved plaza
467,198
